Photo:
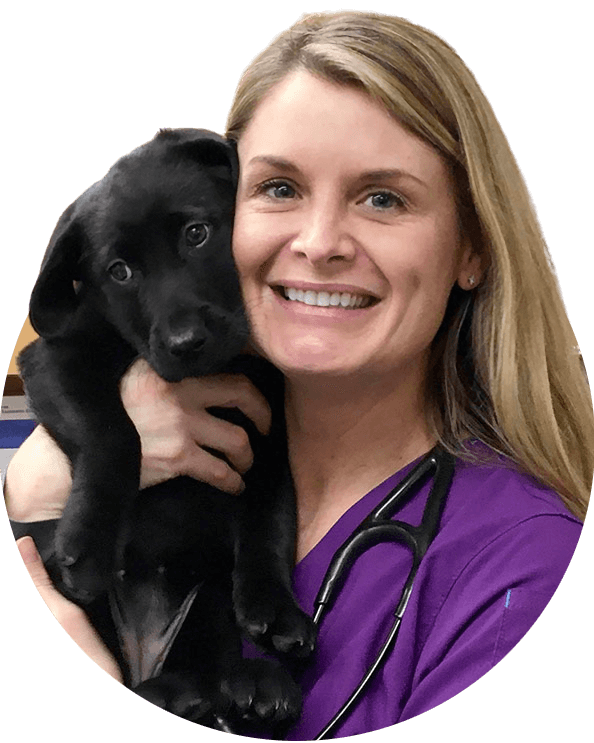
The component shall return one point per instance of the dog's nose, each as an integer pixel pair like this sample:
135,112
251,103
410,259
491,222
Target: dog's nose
185,344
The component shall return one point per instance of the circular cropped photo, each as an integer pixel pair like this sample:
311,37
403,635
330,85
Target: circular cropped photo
298,437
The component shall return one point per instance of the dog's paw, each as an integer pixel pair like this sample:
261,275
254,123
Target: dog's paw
184,695
261,697
253,697
85,574
274,621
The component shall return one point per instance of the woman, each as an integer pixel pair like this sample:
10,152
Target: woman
393,269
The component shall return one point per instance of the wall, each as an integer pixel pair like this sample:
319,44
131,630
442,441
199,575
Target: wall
27,335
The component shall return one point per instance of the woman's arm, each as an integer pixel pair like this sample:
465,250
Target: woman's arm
37,480
174,428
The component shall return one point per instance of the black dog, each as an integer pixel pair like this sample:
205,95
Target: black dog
140,265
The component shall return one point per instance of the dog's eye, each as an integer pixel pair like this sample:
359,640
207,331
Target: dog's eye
120,271
197,234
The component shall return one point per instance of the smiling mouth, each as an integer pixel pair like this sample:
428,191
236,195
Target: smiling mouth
344,300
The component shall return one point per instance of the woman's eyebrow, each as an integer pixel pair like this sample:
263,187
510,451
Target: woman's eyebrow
378,174
275,162
389,174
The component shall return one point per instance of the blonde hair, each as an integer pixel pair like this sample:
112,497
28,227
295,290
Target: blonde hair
505,366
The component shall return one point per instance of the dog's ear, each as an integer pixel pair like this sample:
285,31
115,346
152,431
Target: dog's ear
54,300
207,148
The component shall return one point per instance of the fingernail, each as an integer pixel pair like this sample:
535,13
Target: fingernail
27,550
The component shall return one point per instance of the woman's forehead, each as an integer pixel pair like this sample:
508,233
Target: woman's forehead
305,117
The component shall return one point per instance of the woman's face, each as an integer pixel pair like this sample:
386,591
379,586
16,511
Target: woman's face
346,234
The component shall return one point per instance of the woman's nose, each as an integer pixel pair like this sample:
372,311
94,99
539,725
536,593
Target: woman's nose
323,235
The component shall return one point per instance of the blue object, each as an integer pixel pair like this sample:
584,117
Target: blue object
13,433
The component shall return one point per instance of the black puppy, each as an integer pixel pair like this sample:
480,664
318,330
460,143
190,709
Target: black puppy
140,265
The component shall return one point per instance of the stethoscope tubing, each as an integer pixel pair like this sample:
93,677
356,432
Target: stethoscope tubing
379,527
346,708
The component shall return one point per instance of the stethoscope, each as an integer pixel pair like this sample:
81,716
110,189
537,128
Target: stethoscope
379,527
376,528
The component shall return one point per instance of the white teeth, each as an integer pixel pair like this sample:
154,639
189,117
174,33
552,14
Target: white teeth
325,299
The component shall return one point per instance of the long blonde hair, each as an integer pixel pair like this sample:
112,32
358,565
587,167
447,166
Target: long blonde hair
505,366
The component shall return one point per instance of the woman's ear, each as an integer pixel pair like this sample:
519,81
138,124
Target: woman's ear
471,269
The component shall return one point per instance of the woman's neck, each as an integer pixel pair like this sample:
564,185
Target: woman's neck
345,437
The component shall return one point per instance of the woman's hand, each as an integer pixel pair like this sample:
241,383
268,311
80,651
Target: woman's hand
174,425
70,616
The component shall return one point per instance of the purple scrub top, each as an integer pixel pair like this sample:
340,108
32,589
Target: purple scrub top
504,544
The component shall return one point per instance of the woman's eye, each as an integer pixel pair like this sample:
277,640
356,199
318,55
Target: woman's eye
278,190
385,200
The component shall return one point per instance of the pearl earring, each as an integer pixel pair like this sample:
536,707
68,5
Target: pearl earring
471,280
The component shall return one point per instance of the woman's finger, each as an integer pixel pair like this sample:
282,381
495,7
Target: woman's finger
226,391
141,387
210,469
194,462
221,436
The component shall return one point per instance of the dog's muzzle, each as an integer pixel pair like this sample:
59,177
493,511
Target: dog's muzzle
181,353
197,344
186,344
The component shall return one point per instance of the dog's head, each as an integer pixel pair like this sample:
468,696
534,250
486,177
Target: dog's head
149,248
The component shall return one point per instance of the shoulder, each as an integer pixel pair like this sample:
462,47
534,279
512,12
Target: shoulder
504,545
490,490
502,530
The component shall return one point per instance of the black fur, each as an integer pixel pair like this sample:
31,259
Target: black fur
141,265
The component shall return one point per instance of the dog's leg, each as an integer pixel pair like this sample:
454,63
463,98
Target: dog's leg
105,479
78,401
265,554
266,527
